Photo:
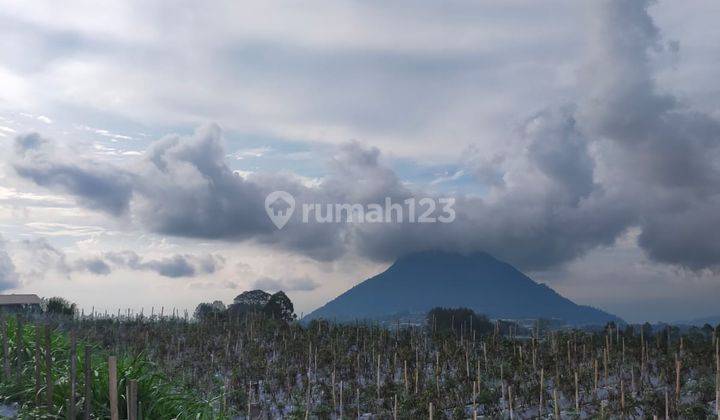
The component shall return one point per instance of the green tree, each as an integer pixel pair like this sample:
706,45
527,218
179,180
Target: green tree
60,306
453,319
207,311
280,307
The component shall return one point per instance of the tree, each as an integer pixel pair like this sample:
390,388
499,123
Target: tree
60,306
280,307
250,301
207,311
257,298
453,319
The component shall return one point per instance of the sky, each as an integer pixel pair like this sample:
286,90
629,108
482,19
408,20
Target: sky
580,141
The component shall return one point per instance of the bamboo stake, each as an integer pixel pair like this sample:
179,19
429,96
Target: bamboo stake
556,406
430,410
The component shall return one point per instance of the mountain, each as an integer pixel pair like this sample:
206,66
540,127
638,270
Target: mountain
700,322
421,281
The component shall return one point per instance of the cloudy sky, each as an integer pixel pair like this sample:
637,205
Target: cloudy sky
581,141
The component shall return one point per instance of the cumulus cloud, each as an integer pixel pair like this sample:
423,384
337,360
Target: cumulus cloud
93,265
8,276
573,177
96,186
271,284
663,152
43,258
174,266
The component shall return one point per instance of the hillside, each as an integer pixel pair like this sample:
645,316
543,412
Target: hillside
421,281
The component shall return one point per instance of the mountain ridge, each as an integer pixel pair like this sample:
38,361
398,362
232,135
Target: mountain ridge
420,281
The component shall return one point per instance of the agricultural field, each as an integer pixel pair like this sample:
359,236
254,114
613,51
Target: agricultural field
260,367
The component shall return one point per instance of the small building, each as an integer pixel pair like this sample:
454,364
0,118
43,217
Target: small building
20,303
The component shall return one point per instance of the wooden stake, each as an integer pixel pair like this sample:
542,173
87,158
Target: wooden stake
6,349
678,366
542,383
557,406
395,408
510,402
48,368
38,363
73,374
131,396
19,347
595,364
112,388
341,399
474,400
577,394
332,389
88,385
378,376
405,376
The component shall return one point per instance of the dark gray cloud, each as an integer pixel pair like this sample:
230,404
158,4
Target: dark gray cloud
173,266
97,186
656,147
43,258
573,177
558,149
188,190
93,265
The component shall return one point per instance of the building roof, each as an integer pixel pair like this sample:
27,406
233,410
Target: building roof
19,300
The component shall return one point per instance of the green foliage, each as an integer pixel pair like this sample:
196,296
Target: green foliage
60,306
455,319
280,307
277,306
210,311
160,397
